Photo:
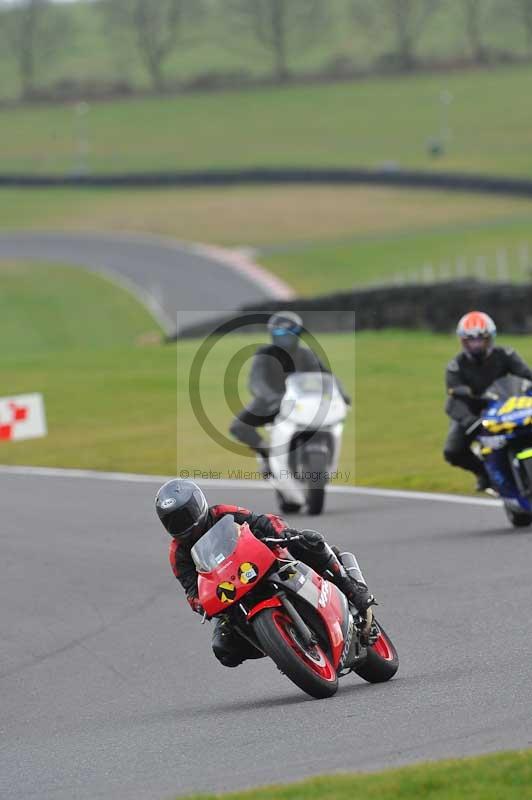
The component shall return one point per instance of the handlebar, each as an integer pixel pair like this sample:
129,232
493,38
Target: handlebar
485,397
280,540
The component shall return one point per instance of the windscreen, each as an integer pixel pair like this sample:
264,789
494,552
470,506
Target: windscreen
312,383
510,386
215,545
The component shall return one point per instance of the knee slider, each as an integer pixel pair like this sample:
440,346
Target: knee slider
224,656
228,661
450,456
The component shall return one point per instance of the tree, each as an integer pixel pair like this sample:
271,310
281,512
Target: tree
156,28
409,18
473,26
525,7
32,31
406,18
281,26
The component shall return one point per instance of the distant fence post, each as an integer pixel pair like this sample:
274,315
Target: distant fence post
524,262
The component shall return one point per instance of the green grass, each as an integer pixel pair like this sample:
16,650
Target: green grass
407,256
363,123
339,236
116,409
500,776
116,405
46,309
263,217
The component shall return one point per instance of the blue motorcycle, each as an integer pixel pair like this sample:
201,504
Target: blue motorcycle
503,440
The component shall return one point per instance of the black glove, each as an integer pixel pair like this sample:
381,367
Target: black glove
288,532
313,540
262,526
489,397
195,605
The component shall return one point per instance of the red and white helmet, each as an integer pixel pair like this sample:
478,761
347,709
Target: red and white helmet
476,331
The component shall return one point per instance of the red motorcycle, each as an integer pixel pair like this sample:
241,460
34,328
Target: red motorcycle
287,611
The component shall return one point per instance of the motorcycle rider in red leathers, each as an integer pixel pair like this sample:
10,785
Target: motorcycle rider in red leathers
183,510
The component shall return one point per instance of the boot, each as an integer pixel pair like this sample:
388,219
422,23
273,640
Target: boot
359,597
263,461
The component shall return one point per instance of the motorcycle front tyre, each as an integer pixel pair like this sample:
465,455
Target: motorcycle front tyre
316,464
308,667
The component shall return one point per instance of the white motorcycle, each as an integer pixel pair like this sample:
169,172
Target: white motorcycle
305,439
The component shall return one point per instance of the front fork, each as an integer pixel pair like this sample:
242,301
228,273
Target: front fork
280,600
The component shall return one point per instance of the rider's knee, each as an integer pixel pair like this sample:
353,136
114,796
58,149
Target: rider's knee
225,656
228,660
235,428
225,646
452,457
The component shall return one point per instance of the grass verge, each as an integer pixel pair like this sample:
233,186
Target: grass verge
351,235
500,776
115,405
46,309
496,249
365,123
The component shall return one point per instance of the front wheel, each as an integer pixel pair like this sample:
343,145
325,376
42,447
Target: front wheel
316,464
381,662
315,501
519,519
308,667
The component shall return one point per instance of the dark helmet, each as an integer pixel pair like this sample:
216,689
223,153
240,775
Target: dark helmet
476,331
182,508
285,328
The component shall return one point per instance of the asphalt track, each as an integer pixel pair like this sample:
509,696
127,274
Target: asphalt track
109,690
165,275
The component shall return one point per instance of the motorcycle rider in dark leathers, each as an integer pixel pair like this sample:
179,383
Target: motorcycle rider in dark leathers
183,510
468,376
271,365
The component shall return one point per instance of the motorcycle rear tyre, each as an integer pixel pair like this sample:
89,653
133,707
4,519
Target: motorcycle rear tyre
376,668
287,658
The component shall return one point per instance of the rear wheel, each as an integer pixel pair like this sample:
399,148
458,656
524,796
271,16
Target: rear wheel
382,661
309,667
519,519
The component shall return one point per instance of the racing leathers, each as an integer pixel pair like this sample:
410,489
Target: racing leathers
228,646
270,367
466,374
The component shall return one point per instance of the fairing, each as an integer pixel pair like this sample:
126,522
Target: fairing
312,406
506,435
236,560
324,597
